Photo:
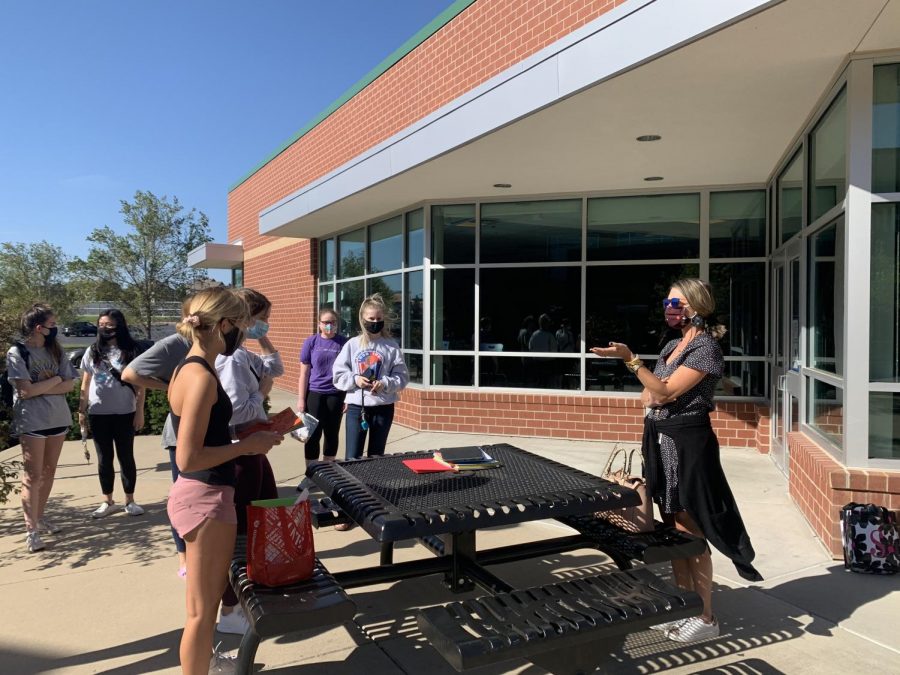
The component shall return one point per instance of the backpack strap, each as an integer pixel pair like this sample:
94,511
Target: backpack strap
24,353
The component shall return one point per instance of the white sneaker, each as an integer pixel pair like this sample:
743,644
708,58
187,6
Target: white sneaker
133,509
105,509
694,630
222,662
235,623
668,625
33,542
48,526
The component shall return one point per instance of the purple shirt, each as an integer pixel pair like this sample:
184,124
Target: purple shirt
320,353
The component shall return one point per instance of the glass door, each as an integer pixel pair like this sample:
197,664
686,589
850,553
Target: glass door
785,395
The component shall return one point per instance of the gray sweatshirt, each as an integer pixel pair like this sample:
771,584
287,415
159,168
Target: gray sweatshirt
384,357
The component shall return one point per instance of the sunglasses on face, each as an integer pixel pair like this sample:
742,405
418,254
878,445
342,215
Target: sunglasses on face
674,303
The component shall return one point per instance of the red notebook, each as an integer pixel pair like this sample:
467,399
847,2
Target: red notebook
282,423
426,465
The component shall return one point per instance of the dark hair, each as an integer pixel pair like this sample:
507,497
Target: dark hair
257,303
124,341
35,316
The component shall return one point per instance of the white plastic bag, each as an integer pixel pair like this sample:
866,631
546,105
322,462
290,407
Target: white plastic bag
309,426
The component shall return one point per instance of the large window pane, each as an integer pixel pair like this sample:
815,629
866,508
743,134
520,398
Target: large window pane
657,226
414,366
415,237
391,290
612,375
352,254
326,296
884,425
531,372
350,297
326,259
453,309
826,410
458,371
737,224
790,199
884,310
743,378
827,159
386,245
624,303
740,293
547,231
886,129
826,298
514,300
412,311
453,234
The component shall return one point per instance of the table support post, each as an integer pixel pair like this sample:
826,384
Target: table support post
387,553
459,546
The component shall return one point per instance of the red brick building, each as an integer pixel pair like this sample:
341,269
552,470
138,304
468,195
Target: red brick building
526,158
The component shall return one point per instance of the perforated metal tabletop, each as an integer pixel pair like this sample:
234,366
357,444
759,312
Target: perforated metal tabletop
392,503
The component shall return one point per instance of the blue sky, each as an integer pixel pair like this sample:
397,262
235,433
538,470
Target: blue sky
100,98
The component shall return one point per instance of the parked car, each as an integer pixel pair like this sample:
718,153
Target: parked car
80,329
75,355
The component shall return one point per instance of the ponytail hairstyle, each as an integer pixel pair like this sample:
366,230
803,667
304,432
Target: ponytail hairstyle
699,295
207,308
374,301
124,341
37,315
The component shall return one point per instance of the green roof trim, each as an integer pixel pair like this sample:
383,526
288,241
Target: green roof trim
423,34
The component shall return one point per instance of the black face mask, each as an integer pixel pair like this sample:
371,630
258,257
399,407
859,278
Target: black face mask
373,327
107,335
52,335
233,339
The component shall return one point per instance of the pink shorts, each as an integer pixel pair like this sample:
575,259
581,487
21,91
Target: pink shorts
192,501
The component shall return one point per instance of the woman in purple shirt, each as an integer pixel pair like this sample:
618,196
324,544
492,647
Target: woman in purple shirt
317,393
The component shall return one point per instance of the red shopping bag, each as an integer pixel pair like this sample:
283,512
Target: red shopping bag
280,548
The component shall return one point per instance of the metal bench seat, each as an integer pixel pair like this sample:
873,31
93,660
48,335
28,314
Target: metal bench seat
561,626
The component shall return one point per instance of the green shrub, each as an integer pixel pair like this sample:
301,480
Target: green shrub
156,408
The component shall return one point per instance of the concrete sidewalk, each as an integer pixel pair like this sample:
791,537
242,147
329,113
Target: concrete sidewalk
104,597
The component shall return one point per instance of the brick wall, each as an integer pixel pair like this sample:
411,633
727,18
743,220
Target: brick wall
820,486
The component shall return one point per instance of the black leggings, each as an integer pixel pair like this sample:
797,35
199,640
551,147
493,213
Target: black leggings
114,431
328,409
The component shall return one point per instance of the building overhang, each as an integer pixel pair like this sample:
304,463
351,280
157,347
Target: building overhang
216,256
727,85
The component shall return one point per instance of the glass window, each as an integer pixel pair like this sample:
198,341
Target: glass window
546,231
884,425
453,309
514,300
326,296
386,245
886,129
740,293
884,308
326,259
737,224
826,410
457,371
412,311
825,294
415,237
743,378
624,303
530,372
827,159
352,254
790,199
237,277
414,366
391,290
453,234
657,226
350,297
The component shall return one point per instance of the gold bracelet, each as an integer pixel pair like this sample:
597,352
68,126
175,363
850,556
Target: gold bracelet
634,365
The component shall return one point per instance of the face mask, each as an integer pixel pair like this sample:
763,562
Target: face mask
52,334
328,327
373,327
258,330
108,334
232,340
675,317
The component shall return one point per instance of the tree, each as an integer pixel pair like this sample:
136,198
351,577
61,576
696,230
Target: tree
31,273
148,264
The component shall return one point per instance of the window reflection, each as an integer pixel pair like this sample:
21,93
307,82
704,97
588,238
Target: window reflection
740,293
737,224
826,410
350,297
391,289
326,259
457,371
886,129
453,309
827,158
352,254
453,234
385,249
884,307
544,231
415,237
655,226
826,298
413,311
790,199
884,425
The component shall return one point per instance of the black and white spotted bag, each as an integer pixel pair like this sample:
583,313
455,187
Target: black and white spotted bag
871,539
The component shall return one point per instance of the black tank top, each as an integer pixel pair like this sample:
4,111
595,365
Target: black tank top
217,433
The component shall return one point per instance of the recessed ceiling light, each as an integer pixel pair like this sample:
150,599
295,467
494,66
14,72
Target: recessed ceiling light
502,185
651,178
648,137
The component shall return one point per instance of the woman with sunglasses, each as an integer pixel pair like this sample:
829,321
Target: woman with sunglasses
681,451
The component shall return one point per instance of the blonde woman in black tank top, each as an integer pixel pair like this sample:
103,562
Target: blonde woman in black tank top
201,503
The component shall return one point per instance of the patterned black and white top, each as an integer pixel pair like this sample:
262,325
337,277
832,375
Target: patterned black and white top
704,354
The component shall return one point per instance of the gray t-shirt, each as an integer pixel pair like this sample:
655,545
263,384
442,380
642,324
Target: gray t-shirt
160,362
107,394
41,412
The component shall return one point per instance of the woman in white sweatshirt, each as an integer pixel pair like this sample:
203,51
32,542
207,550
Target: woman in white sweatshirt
370,368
